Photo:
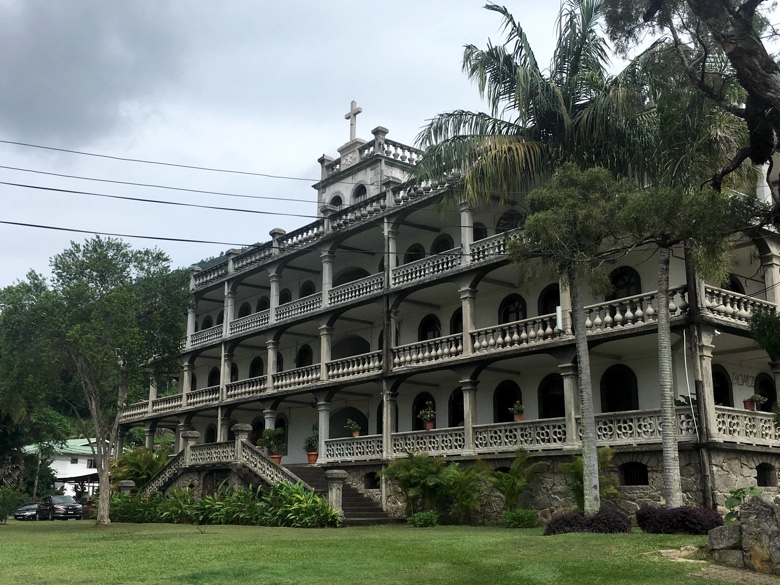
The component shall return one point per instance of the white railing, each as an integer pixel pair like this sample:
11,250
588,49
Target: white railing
252,257
493,246
515,334
639,426
244,388
270,471
302,236
212,453
296,377
206,335
437,441
356,289
165,475
733,306
423,352
299,307
136,410
250,322
745,426
208,395
362,448
209,275
547,433
359,212
355,365
167,403
633,310
427,267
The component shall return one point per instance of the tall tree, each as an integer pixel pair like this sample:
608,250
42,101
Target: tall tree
571,230
111,315
706,33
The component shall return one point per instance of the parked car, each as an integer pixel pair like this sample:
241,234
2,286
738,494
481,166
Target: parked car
28,511
59,508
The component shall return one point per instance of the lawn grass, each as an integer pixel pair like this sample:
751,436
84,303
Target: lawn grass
81,553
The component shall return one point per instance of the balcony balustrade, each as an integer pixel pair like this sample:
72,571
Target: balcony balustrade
734,307
352,291
449,441
515,334
427,267
299,307
367,363
633,310
245,388
425,352
746,427
250,322
205,336
295,378
364,448
203,396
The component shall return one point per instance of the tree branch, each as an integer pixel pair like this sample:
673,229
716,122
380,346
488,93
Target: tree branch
748,9
717,179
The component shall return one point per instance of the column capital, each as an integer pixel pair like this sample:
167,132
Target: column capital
468,292
568,369
326,329
274,276
468,384
327,255
272,344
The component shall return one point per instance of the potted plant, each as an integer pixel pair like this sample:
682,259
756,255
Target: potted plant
273,440
311,444
353,426
428,415
751,401
517,410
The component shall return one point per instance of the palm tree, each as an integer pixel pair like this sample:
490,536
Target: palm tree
572,112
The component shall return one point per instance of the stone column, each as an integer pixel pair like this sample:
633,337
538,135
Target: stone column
224,378
190,438
466,230
336,479
120,441
704,388
327,276
125,486
326,334
186,381
190,327
229,308
273,347
181,428
323,427
273,298
152,395
467,302
151,429
389,399
269,415
771,264
224,427
469,389
277,234
241,433
571,400
775,367
565,299
391,237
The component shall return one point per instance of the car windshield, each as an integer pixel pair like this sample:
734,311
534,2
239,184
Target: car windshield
29,506
62,500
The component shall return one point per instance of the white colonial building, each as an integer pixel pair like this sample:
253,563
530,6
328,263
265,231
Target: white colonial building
387,302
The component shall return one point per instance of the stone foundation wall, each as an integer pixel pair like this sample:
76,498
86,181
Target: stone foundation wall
735,469
196,480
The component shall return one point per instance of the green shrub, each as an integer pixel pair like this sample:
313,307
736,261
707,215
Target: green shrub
424,519
178,507
136,509
465,488
139,465
9,500
420,480
297,507
519,518
513,483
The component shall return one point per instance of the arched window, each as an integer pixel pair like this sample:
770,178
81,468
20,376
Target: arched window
221,318
625,283
442,243
244,310
193,382
551,401
304,357
371,481
349,346
619,389
511,309
734,285
765,386
208,323
456,322
338,422
211,434
414,252
721,386
430,328
279,361
285,296
336,202
634,473
549,299
213,379
307,289
504,396
263,303
256,368
766,476
455,412
420,403
359,193
480,231
350,275
258,426
509,221
234,372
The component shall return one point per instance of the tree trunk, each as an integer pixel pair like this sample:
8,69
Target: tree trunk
590,462
104,484
671,458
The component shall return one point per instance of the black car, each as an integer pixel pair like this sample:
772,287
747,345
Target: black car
59,508
28,511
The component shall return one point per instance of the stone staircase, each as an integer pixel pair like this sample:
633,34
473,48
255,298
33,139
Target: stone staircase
359,510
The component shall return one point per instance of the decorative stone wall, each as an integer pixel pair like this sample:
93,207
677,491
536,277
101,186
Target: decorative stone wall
194,481
735,469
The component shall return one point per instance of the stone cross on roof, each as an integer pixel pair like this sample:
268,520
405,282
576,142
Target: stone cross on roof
352,117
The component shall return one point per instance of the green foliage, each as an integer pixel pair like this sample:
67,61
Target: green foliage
418,476
513,483
424,519
134,508
427,414
273,440
736,498
178,507
765,330
466,488
297,507
575,481
519,518
139,465
9,500
312,442
352,425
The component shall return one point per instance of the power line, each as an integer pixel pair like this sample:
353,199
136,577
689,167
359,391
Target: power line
155,186
160,163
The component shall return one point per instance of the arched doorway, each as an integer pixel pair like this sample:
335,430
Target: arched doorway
619,389
551,397
721,386
765,386
420,402
338,422
455,411
504,396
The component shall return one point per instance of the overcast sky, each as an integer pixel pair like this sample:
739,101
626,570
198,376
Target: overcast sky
253,86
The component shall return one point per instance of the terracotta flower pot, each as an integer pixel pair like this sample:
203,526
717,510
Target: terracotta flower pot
749,404
518,416
429,425
312,456
276,458
355,433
